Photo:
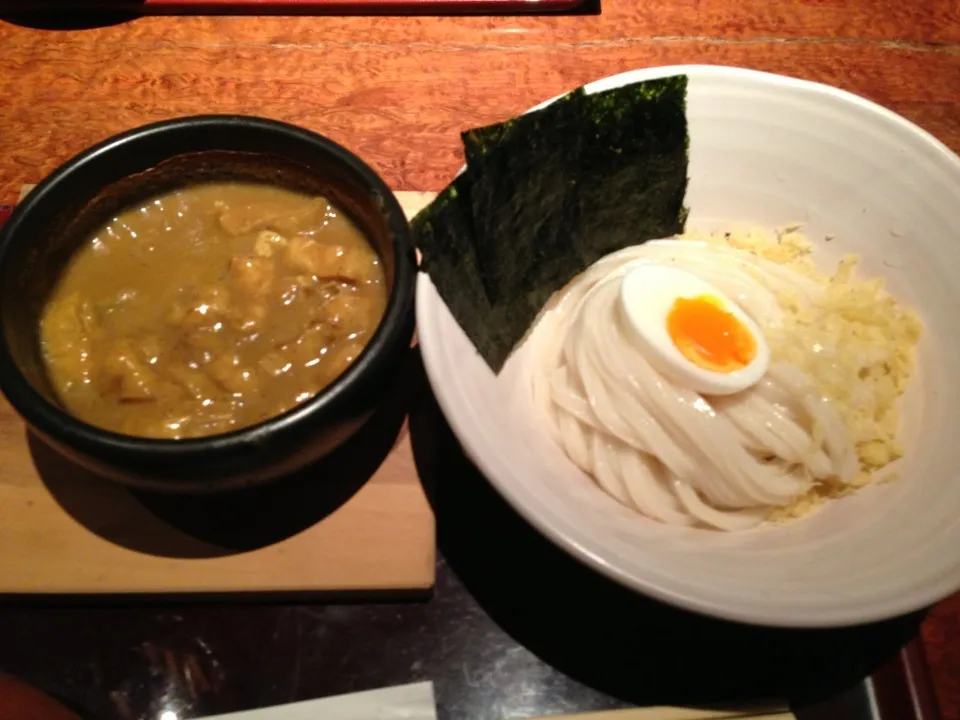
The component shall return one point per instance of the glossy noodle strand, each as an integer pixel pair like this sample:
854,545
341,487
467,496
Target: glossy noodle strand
675,455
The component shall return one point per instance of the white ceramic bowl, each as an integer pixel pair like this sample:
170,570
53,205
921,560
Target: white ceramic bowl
767,150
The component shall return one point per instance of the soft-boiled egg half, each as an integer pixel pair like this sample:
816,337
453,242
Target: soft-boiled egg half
690,331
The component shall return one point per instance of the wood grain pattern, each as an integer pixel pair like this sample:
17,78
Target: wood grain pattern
382,538
399,89
941,639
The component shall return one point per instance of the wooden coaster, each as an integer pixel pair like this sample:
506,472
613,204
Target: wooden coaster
64,530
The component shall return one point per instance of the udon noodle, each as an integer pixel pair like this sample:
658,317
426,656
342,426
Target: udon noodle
675,455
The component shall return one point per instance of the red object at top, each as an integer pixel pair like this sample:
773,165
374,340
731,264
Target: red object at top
298,6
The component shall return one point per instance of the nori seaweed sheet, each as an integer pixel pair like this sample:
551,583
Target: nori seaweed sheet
633,167
547,194
525,169
444,234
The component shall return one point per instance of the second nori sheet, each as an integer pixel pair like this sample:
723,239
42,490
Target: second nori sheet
556,189
445,238
523,206
633,167
547,194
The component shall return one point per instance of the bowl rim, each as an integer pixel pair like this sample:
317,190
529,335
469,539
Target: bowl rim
56,423
772,615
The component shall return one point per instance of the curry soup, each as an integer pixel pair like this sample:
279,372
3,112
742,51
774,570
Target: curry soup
209,309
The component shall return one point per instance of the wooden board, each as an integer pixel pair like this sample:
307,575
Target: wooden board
71,532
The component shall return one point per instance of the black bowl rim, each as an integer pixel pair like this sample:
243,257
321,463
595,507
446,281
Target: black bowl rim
57,424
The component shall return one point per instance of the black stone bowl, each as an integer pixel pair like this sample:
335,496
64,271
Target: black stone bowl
82,194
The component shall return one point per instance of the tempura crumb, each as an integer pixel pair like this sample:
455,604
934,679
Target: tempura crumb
865,344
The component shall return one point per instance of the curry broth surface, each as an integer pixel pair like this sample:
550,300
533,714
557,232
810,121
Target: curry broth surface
209,309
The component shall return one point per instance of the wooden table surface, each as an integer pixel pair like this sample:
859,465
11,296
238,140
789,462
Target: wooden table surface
398,90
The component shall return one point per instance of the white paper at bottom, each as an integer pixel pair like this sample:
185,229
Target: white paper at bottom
403,702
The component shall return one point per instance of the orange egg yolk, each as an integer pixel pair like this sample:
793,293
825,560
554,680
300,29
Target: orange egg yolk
709,336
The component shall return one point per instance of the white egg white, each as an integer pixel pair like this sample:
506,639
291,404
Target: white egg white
647,293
